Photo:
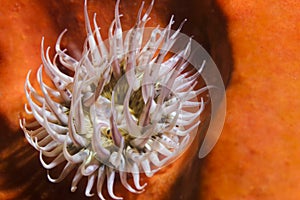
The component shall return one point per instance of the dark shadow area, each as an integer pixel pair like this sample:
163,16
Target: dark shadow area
208,25
64,15
21,174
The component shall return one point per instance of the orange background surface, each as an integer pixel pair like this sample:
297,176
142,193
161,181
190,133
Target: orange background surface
257,156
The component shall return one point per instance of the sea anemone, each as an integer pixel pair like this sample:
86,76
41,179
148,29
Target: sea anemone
128,106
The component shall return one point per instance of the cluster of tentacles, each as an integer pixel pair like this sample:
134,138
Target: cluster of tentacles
129,106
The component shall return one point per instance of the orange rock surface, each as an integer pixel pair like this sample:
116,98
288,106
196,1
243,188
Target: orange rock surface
257,156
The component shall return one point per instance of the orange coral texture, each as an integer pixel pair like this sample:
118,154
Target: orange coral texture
258,154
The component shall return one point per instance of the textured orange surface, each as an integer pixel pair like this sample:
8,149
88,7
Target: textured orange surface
258,154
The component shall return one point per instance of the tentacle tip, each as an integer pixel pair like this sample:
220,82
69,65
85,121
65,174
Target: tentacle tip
140,191
29,72
73,188
50,178
89,194
143,186
21,123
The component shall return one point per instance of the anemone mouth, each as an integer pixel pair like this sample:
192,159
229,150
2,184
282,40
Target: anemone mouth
143,111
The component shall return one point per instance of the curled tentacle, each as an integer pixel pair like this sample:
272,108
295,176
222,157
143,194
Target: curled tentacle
90,120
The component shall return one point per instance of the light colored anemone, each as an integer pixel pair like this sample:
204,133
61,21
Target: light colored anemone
125,109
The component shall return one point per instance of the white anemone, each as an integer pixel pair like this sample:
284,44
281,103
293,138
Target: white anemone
123,108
